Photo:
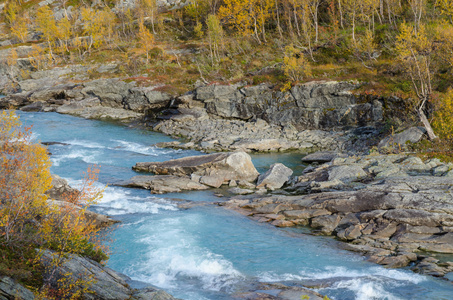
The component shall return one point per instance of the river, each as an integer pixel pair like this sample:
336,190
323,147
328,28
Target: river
205,251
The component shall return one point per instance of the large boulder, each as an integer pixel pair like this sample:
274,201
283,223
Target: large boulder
347,173
277,175
226,166
412,135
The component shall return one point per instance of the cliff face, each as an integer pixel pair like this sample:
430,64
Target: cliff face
313,105
314,115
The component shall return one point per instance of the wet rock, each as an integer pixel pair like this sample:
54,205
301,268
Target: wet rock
398,261
239,191
326,224
226,166
277,175
268,291
150,293
161,184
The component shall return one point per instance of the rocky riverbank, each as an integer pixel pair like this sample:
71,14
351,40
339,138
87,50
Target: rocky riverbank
103,283
395,209
316,115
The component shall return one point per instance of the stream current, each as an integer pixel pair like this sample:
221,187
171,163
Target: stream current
205,251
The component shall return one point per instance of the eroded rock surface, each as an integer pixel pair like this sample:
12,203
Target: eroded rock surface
220,167
391,207
107,284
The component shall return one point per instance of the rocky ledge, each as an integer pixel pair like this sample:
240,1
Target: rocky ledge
395,209
105,283
195,173
308,117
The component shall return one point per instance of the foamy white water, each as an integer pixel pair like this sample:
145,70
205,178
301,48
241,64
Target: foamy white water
205,252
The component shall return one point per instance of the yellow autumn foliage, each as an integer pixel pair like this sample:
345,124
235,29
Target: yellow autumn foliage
443,117
295,65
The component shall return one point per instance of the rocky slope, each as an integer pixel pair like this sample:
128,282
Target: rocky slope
106,283
315,115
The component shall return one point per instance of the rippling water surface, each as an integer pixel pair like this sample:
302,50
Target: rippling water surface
206,252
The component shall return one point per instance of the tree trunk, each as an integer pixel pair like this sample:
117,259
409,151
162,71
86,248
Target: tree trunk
432,136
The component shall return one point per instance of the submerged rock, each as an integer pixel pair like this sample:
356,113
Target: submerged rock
277,291
320,157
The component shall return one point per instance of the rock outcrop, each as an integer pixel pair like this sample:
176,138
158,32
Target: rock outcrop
393,208
313,105
106,283
161,184
219,167
97,99
216,117
399,140
10,289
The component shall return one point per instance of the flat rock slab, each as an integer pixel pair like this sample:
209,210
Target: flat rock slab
320,157
160,184
227,166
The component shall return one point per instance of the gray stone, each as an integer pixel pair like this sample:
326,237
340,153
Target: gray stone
107,284
161,184
227,166
277,175
10,289
326,224
111,92
151,293
320,157
61,190
413,135
347,173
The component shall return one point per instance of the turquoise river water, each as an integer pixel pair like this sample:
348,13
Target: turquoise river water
207,252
